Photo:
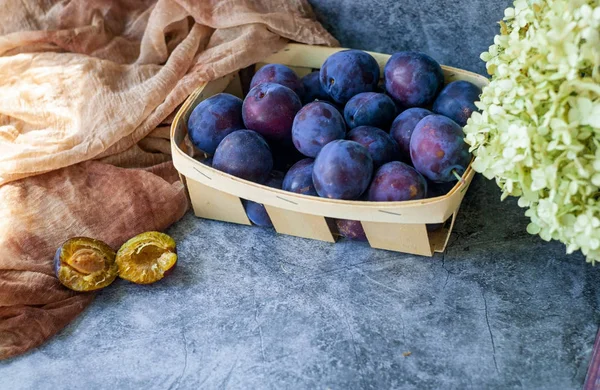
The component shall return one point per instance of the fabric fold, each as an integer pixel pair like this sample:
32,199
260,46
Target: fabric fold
116,79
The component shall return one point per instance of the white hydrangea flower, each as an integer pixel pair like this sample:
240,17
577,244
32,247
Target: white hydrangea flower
538,133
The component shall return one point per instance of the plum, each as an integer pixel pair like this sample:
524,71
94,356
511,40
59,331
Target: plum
338,107
350,229
299,178
85,264
370,109
312,88
245,154
269,109
396,181
256,212
413,79
213,119
315,125
438,150
457,101
278,74
381,145
342,170
348,73
403,126
147,257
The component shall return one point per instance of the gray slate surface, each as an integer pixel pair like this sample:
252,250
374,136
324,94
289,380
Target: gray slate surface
248,309
453,32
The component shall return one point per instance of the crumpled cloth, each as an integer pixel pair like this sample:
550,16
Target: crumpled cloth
123,67
100,80
90,199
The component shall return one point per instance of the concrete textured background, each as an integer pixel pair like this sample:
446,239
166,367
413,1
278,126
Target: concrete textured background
247,308
453,32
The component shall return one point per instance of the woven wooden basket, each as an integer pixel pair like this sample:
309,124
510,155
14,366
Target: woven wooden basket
396,226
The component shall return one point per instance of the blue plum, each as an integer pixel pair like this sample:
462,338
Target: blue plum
403,126
352,230
299,178
245,154
312,88
397,181
348,73
381,145
338,107
315,125
256,212
278,74
213,119
413,79
438,150
370,109
457,101
342,170
269,109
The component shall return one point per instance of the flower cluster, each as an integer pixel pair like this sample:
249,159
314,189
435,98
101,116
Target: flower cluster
538,132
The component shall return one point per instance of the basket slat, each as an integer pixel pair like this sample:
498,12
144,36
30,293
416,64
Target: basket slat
214,204
407,238
300,224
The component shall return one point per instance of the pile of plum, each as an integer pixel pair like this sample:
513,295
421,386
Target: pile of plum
339,133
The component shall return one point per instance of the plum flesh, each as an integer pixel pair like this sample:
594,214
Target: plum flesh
146,258
85,264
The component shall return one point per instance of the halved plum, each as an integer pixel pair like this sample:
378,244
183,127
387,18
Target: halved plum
85,264
147,257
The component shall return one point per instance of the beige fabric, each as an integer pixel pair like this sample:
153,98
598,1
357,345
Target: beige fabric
124,67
